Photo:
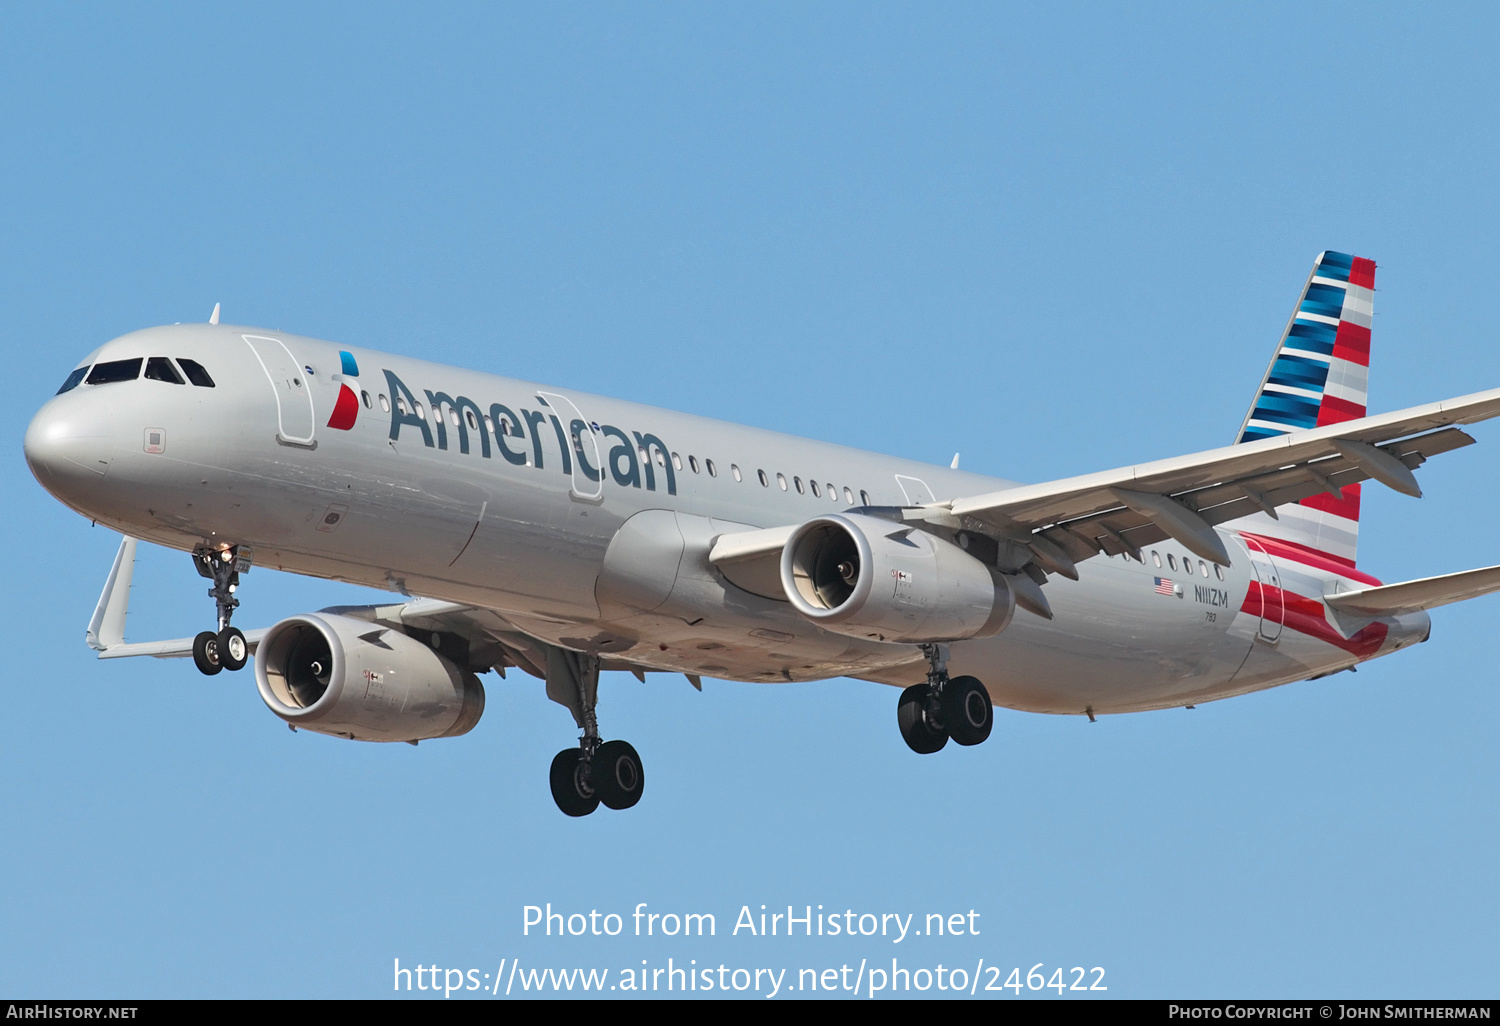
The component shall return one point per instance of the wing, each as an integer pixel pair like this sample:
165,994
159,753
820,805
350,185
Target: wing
1117,511
1064,522
490,640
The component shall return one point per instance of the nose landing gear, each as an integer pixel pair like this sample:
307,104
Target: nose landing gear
929,714
596,772
226,648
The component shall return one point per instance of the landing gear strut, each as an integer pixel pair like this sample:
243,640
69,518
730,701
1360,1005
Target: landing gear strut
943,707
226,648
607,772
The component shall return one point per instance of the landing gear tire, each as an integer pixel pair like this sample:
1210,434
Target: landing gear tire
206,653
917,729
233,649
573,794
967,712
617,775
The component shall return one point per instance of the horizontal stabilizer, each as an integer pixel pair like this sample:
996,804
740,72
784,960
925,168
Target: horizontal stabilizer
1411,596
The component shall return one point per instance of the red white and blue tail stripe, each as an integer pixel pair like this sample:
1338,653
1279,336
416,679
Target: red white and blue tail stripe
1319,375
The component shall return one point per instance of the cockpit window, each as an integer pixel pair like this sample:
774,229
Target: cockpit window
195,372
73,380
115,370
159,368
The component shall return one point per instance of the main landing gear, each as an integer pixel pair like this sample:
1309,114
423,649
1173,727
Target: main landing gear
226,648
596,772
958,707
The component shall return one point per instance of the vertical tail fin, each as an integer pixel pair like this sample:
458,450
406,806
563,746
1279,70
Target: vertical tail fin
1319,375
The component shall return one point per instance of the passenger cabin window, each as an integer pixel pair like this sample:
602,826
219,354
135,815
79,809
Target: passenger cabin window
73,380
1156,557
781,480
159,368
676,461
115,370
1203,568
1218,571
1171,561
765,482
798,482
864,497
385,404
734,469
693,462
833,493
195,372
708,465
365,396
814,486
848,495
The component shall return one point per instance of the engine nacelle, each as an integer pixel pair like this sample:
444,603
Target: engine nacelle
352,678
867,577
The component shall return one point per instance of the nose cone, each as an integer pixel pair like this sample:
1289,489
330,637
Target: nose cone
69,445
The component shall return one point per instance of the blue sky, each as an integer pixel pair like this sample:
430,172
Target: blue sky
1056,239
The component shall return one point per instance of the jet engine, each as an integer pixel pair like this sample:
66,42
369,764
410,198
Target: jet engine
872,578
351,678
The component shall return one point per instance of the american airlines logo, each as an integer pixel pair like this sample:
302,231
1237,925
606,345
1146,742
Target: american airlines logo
346,407
632,461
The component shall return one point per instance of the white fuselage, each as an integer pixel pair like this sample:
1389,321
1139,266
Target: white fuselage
586,522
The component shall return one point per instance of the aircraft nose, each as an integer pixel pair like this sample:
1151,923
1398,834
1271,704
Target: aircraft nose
69,445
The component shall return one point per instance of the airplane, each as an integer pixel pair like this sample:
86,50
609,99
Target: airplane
562,533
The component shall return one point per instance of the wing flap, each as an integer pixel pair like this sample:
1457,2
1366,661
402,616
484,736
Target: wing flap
1412,596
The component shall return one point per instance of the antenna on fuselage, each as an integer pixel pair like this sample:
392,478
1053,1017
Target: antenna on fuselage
951,466
213,318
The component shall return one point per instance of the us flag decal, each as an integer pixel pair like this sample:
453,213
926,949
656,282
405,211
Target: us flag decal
1163,586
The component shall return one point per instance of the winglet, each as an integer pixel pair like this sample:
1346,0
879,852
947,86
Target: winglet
107,627
213,318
